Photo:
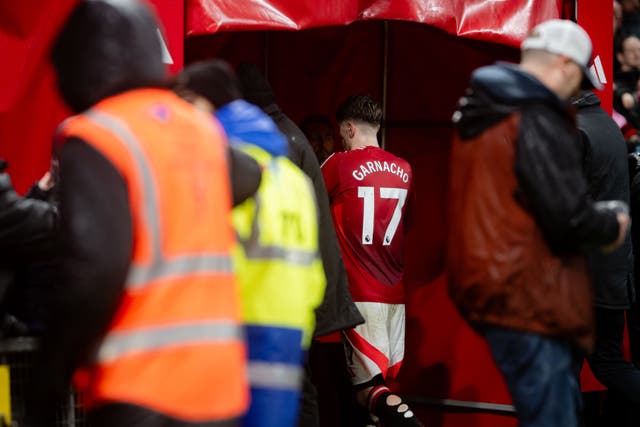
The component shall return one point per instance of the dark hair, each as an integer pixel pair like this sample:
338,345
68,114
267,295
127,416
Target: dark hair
362,108
213,80
624,36
311,120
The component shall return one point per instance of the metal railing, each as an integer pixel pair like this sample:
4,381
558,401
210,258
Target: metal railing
17,357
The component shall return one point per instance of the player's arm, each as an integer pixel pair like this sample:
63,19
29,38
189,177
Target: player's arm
245,175
552,186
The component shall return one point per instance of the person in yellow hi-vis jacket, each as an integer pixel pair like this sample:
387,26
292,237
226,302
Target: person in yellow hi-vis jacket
278,263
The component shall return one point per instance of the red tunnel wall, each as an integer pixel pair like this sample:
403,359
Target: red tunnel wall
30,108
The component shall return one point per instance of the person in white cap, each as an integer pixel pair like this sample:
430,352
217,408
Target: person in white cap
520,215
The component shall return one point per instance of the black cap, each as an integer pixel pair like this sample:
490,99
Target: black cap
255,87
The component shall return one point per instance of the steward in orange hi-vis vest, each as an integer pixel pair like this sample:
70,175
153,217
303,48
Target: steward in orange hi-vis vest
175,344
147,321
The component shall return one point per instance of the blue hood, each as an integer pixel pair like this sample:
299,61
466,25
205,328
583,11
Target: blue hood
508,84
246,123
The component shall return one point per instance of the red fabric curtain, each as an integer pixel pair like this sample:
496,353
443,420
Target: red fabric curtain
504,22
311,72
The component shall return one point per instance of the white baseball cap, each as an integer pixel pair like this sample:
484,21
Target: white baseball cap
566,38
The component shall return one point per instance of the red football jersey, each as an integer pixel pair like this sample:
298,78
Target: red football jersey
369,190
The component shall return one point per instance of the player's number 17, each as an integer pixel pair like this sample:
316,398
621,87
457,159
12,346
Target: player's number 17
368,193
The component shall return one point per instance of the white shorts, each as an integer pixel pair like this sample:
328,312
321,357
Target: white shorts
377,346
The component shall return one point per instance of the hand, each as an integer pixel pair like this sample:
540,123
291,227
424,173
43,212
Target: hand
46,183
623,226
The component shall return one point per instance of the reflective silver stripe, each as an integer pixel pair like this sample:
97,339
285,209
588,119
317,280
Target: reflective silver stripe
464,404
275,375
262,252
151,210
140,275
159,267
256,251
116,345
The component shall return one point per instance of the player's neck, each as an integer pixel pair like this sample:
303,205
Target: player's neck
359,143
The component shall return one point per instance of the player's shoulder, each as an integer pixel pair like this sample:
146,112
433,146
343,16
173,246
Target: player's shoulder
333,159
328,160
389,156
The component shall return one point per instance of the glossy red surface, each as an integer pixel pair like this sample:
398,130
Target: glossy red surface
504,22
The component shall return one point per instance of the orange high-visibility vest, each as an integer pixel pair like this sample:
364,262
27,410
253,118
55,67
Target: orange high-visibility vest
175,344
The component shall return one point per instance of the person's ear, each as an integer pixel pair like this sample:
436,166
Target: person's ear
567,66
620,57
351,130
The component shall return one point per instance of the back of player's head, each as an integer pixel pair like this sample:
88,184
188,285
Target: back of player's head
360,108
214,80
107,47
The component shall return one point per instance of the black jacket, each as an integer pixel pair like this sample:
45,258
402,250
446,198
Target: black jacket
337,311
38,281
26,225
551,184
634,174
604,154
28,232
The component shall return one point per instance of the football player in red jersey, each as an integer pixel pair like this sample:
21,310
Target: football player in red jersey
369,189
